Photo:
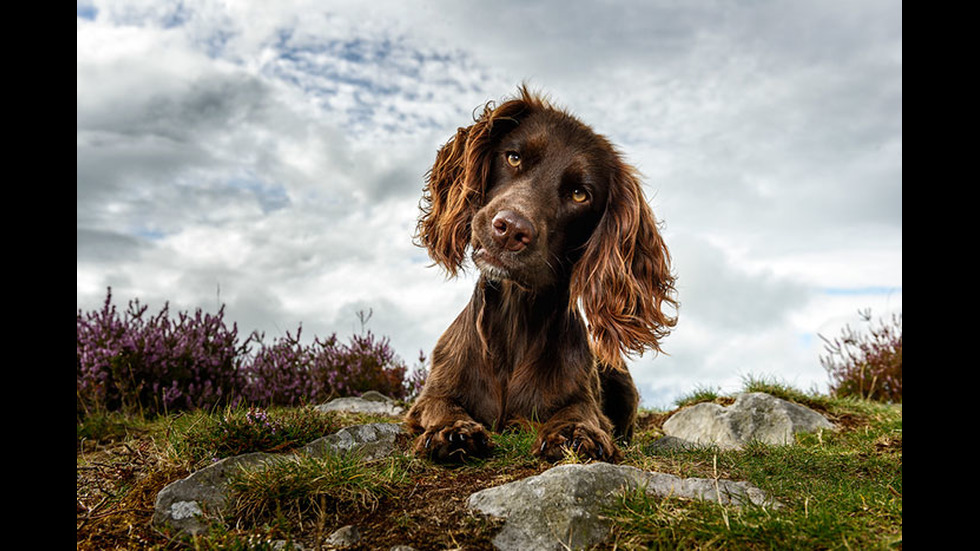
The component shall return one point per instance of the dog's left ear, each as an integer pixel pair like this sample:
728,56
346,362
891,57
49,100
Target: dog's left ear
623,279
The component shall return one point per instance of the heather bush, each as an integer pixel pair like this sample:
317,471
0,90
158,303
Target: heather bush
136,362
140,363
279,373
288,373
867,364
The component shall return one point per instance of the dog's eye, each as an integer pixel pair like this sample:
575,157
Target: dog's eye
513,158
579,195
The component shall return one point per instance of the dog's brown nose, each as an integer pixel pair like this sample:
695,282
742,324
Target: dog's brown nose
512,231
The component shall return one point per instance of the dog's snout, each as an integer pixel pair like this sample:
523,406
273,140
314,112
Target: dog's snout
512,231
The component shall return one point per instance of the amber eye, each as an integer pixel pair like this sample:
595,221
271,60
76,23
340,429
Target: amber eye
579,195
513,158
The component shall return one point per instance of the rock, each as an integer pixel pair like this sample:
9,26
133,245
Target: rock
370,402
560,508
670,443
375,396
372,441
191,503
753,416
347,535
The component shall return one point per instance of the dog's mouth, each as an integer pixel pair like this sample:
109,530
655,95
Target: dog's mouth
489,264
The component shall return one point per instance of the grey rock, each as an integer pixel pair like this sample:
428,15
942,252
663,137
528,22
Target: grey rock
372,441
347,535
670,443
560,508
375,396
190,504
753,416
370,402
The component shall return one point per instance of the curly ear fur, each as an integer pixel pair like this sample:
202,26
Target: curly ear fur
457,181
447,208
623,278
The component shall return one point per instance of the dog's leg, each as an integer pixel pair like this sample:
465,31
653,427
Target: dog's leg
581,428
619,400
445,432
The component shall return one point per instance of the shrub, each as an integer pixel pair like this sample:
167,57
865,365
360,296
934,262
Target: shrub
138,363
151,364
287,373
867,365
366,363
279,373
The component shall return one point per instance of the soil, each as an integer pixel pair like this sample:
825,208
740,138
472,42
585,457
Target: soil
117,484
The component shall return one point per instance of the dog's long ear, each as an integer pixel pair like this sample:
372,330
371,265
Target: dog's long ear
444,226
456,184
623,278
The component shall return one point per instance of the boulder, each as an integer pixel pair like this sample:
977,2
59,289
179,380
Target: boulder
371,402
344,536
188,505
370,441
753,416
560,508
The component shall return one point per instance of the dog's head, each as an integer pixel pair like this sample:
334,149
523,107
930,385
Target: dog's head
541,200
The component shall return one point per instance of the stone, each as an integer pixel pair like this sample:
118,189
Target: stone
371,402
753,416
372,441
561,508
190,504
375,396
347,535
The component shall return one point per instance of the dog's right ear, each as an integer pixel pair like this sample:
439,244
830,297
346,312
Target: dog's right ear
447,206
456,183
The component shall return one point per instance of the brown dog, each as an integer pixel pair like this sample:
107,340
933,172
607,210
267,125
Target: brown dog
558,227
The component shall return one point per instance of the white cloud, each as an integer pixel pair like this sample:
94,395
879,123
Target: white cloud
270,155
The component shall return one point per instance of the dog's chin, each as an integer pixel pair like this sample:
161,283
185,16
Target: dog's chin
490,266
498,270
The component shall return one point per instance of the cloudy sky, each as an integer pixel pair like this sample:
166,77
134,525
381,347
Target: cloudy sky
270,156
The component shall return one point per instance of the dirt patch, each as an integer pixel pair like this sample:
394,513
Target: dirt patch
432,514
115,489
648,421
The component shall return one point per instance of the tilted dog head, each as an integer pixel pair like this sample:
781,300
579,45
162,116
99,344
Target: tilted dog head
541,200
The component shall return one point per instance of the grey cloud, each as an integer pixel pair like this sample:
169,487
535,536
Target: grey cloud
715,293
769,134
105,246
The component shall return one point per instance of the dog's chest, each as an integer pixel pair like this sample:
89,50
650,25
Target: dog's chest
522,394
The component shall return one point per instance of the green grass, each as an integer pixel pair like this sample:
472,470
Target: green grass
838,489
699,394
101,428
201,436
313,487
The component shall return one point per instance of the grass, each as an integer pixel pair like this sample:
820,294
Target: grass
840,490
200,437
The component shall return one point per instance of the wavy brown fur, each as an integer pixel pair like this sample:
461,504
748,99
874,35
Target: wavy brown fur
521,351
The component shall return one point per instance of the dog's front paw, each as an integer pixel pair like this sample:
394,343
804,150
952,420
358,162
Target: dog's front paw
587,442
454,443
